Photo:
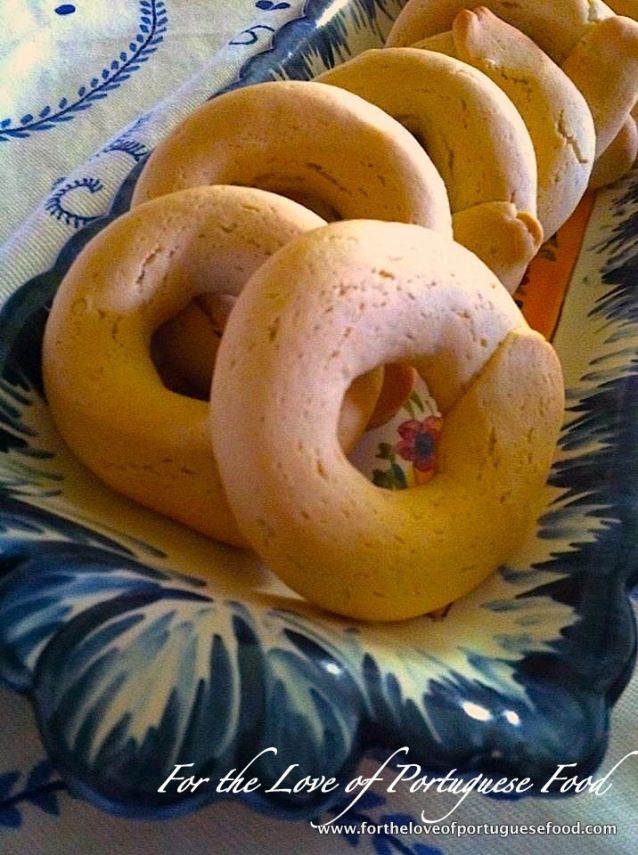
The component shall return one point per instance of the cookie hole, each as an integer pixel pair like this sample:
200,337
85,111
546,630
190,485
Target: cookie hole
298,190
314,203
398,451
184,348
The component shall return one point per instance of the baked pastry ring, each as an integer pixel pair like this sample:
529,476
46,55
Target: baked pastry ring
476,139
555,25
604,66
554,111
105,394
343,299
618,159
597,49
323,146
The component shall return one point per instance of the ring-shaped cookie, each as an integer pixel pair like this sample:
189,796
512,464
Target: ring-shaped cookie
323,146
555,25
604,66
551,105
358,294
624,148
105,394
597,49
475,137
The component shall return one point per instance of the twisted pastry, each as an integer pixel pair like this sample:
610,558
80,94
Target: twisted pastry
597,49
343,158
555,25
620,155
554,110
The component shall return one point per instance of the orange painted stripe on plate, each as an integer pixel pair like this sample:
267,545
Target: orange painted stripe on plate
542,292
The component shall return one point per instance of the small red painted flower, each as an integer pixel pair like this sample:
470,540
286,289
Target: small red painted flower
418,442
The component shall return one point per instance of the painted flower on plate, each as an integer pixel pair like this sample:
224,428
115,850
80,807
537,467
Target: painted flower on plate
418,442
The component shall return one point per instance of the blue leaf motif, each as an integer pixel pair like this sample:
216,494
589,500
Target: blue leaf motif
39,791
40,774
47,802
63,103
10,817
381,845
5,123
353,838
270,6
370,800
39,597
206,666
7,782
26,119
45,112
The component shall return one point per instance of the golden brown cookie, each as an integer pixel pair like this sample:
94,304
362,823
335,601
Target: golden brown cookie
597,49
324,146
604,66
344,299
555,25
184,350
553,109
104,391
474,135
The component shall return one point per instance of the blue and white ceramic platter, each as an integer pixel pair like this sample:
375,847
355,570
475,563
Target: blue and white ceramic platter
143,645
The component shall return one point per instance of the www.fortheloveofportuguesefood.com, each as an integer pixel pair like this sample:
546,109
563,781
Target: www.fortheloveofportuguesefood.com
459,829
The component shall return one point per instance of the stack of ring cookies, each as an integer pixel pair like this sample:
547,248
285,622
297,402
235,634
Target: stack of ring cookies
378,234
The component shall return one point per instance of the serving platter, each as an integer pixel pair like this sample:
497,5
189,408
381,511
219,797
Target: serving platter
142,645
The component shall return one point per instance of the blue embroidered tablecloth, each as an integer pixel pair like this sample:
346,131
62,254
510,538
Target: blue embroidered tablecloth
88,88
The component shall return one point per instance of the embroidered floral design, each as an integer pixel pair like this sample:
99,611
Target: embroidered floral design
55,204
418,442
270,6
40,789
151,29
